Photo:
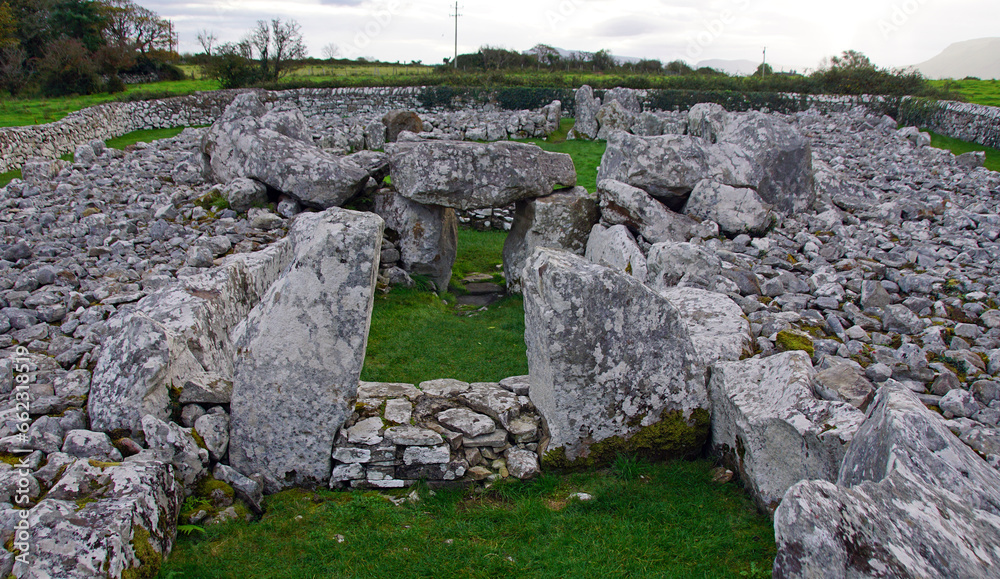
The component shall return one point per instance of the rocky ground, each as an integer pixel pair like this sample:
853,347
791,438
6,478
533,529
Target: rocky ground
892,279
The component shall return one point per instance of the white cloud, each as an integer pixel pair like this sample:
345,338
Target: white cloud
797,34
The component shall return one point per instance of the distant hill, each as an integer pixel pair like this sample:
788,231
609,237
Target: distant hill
580,54
979,58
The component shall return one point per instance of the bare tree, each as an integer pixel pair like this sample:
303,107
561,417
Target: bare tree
207,39
331,51
132,26
288,45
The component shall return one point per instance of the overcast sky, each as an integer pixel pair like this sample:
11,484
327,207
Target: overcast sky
797,34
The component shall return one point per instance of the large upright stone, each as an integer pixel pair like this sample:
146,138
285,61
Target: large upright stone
911,501
586,113
608,357
300,356
623,204
562,220
716,324
707,120
239,144
427,235
666,166
613,117
783,154
467,175
176,337
770,428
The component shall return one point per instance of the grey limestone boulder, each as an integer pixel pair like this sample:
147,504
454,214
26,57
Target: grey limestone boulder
623,204
607,356
736,210
615,247
177,336
179,446
427,235
587,106
243,193
398,121
467,175
911,500
300,355
716,324
612,117
707,120
239,144
562,220
771,429
288,122
784,156
670,263
666,166
103,520
89,444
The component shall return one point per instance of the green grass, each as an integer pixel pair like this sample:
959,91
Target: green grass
9,176
20,112
982,92
416,335
586,154
672,521
958,147
144,136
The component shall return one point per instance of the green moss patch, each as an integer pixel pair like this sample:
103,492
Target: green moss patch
789,340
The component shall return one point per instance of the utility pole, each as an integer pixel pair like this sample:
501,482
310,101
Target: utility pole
765,55
456,15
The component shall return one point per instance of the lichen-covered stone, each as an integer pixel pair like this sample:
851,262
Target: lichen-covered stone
717,326
300,355
623,204
770,428
562,220
427,235
104,520
615,247
466,175
911,501
606,354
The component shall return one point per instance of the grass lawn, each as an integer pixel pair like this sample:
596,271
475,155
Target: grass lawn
958,147
662,520
416,335
982,92
20,112
586,154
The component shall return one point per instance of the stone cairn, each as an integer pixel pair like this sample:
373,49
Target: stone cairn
790,293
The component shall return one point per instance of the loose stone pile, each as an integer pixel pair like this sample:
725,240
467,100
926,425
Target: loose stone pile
162,341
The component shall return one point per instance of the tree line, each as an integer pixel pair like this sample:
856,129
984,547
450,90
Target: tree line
60,47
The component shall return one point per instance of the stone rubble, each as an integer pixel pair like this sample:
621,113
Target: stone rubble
885,282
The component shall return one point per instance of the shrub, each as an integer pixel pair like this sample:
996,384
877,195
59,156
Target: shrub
67,68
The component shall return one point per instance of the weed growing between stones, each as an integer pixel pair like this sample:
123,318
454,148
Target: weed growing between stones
670,520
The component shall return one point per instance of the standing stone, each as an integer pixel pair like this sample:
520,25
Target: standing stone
466,175
667,166
769,427
626,98
300,355
608,357
615,247
586,113
736,210
427,235
375,135
623,204
707,120
398,121
562,220
613,117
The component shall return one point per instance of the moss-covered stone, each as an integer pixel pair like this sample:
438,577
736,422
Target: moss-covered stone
789,340
674,436
150,558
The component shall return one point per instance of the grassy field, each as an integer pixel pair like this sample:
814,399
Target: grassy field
586,154
982,92
416,335
663,520
958,147
21,112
